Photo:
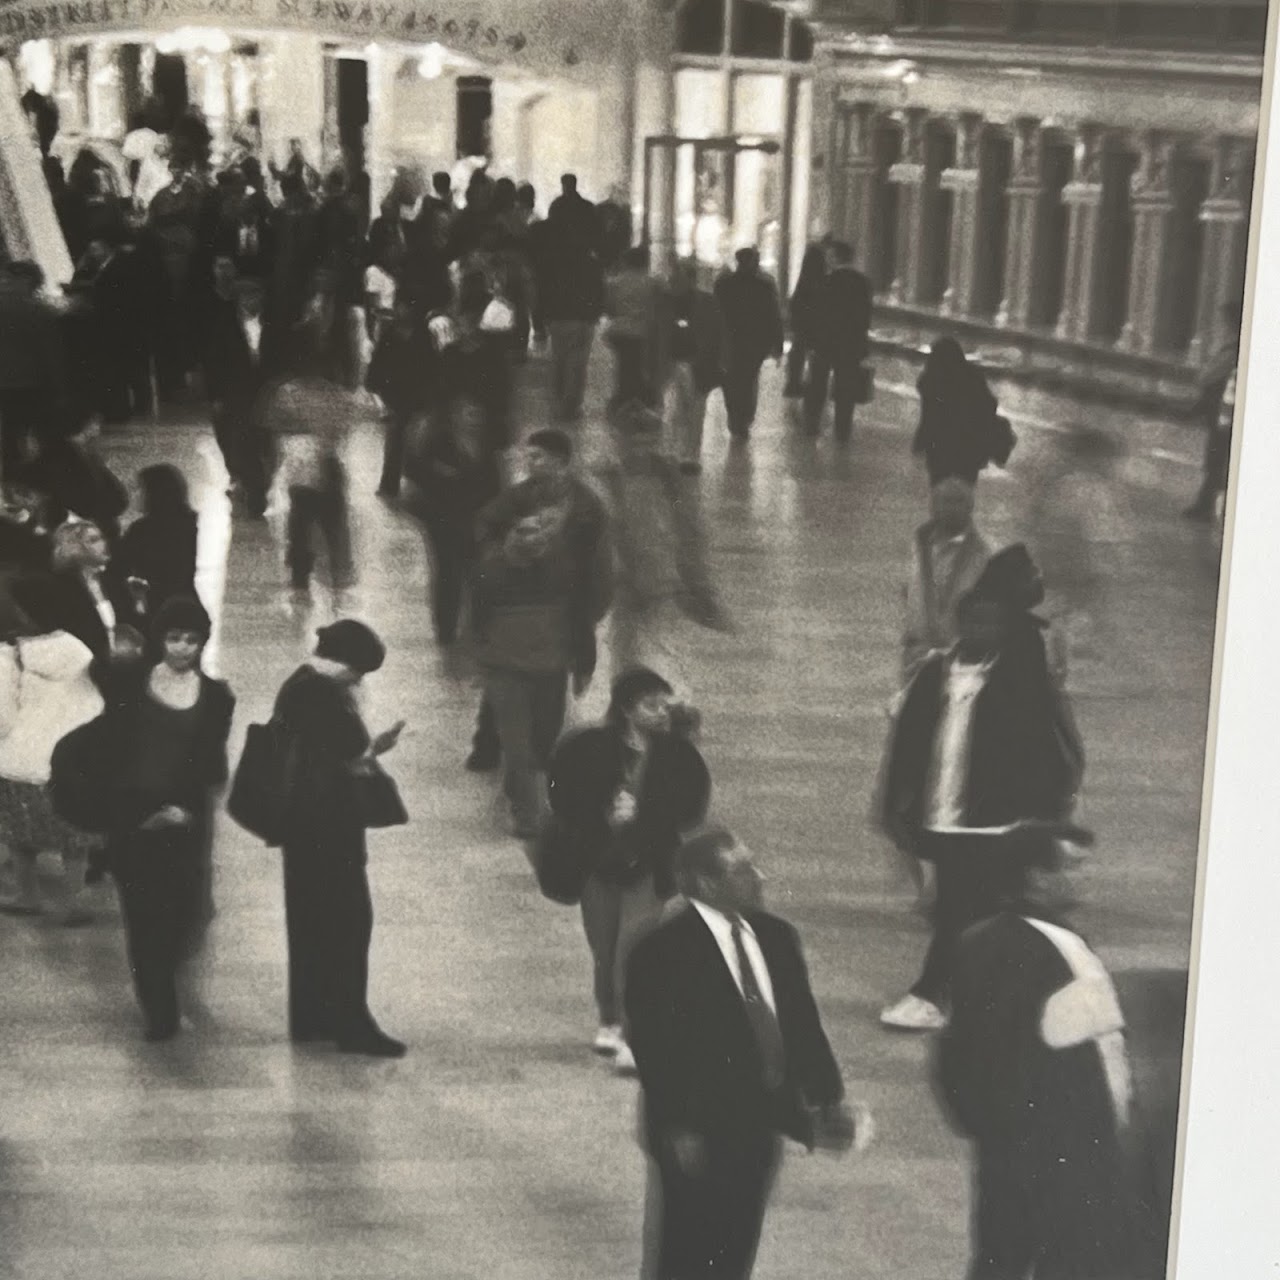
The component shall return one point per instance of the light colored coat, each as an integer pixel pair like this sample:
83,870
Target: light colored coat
54,696
931,599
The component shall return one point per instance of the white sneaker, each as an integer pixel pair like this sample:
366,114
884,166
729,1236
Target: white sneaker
911,1013
624,1062
608,1040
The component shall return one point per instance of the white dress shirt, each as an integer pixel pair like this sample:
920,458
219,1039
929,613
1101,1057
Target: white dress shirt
106,611
949,774
722,931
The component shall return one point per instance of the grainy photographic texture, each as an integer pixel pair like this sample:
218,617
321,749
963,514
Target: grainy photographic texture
608,616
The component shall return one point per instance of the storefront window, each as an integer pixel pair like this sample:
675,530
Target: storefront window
759,110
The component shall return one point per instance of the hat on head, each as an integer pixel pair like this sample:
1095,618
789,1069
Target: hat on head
1010,579
181,613
351,643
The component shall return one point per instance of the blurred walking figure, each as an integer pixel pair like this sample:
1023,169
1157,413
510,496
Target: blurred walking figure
454,474
960,431
1034,1069
632,299
1216,410
46,691
544,580
841,342
949,557
328,910
622,794
69,468
399,374
983,743
753,323
311,417
664,565
158,550
732,1058
169,724
805,311
690,334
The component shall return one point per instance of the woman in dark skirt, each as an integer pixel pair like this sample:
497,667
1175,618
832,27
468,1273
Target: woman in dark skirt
169,726
328,910
960,432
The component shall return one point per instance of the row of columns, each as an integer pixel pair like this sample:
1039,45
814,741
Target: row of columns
1034,203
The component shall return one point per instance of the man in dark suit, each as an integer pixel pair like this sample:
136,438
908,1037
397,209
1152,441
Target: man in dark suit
840,342
731,1055
753,329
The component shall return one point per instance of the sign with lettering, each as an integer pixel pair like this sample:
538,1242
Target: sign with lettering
542,34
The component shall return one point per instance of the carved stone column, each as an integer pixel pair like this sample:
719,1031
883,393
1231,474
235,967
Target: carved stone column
962,181
858,182
1225,217
908,175
1152,205
1083,198
1025,192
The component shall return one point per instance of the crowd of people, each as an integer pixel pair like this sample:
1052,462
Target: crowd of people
113,740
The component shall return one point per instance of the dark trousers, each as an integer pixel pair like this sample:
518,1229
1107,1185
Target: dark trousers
449,546
711,1221
797,358
631,371
741,393
967,887
245,450
824,369
160,879
324,510
570,355
395,431
528,709
1051,1222
24,412
329,920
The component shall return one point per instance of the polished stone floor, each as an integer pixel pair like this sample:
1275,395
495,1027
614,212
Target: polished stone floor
500,1147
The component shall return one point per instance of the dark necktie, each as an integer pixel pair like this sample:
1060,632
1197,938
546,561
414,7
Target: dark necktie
764,1022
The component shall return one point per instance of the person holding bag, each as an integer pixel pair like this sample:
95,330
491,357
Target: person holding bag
622,795
335,792
166,732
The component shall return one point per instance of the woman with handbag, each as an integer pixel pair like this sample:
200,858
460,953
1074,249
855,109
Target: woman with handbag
168,726
335,790
960,432
622,795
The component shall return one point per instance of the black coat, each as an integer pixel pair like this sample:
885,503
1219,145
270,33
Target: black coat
60,601
586,773
1050,1142
163,553
752,316
1023,761
79,483
698,1060
842,319
960,432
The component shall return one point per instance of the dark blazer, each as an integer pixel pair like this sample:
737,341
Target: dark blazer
586,772
843,315
752,316
78,482
60,601
1023,762
697,1058
163,552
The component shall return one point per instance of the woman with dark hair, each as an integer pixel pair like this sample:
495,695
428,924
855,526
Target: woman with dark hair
168,737
805,312
158,551
622,795
960,432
